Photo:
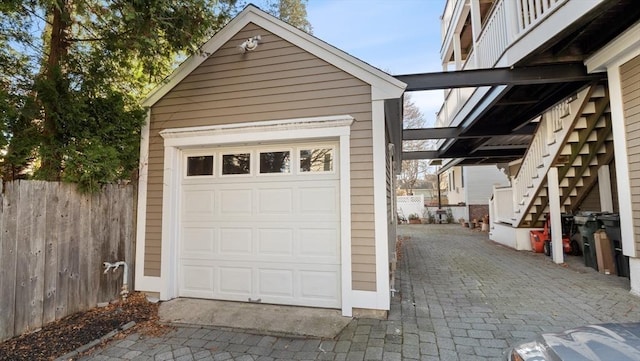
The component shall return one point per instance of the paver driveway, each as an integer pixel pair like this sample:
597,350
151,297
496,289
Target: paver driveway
461,297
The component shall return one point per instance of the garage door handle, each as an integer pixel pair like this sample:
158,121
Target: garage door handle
256,300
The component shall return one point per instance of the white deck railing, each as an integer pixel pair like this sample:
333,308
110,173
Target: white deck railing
508,22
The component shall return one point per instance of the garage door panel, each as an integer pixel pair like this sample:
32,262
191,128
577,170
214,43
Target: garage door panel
197,281
318,200
275,282
237,202
198,204
275,202
234,241
235,281
319,242
321,285
199,242
274,241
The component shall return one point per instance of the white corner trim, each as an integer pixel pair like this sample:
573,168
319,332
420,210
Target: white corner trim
142,282
170,213
619,131
620,50
345,224
381,232
384,86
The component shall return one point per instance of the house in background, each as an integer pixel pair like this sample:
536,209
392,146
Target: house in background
550,87
267,173
472,186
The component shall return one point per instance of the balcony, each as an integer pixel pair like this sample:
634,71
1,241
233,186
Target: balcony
510,32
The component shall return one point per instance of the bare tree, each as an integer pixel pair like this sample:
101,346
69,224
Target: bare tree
412,170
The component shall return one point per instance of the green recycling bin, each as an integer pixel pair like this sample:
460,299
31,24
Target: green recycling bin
588,224
611,222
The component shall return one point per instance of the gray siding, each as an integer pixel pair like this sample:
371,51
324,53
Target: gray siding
277,81
630,77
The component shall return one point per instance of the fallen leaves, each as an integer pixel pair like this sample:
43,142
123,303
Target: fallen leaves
60,337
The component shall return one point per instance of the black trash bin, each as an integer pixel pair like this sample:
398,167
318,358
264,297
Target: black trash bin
611,222
588,224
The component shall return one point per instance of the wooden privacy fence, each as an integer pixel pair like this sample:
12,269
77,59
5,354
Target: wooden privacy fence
53,241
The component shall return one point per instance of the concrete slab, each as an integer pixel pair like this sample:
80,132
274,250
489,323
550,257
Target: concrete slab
259,318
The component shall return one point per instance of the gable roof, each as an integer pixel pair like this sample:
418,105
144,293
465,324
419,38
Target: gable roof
383,85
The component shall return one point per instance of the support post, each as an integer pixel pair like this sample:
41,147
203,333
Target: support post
554,212
457,51
604,185
476,28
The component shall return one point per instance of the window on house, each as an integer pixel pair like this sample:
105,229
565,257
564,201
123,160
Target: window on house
316,160
239,163
275,162
199,165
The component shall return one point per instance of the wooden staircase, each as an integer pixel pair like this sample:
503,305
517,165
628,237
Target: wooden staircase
574,136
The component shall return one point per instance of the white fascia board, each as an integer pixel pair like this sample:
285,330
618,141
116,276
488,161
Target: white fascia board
383,85
289,129
617,52
142,282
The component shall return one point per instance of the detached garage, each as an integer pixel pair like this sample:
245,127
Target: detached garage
266,175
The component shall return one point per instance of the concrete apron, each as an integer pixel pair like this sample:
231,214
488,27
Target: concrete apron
291,321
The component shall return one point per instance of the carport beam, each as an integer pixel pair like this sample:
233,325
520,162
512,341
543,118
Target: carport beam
554,210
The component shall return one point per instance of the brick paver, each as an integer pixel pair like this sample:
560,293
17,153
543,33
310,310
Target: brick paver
461,297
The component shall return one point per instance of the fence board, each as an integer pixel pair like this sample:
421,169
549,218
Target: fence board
8,259
23,239
115,277
37,254
84,253
51,253
102,233
64,231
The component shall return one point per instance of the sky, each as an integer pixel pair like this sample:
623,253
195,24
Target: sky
397,36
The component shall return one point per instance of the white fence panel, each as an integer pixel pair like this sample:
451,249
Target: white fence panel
409,205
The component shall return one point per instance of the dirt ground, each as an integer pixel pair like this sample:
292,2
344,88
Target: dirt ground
65,335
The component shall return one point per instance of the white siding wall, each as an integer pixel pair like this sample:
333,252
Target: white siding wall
455,194
479,182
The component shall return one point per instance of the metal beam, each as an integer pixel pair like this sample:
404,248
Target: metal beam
453,132
430,133
434,154
540,74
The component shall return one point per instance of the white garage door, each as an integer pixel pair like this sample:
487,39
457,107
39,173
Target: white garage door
261,224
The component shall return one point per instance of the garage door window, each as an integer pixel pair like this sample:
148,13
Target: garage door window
236,164
316,160
275,162
201,165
